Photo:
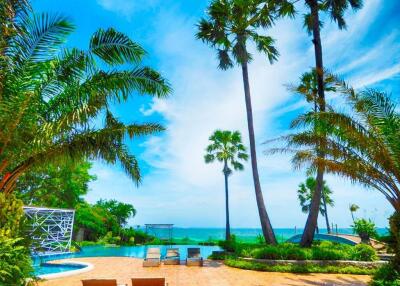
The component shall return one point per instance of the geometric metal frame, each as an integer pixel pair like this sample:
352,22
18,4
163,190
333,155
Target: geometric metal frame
50,228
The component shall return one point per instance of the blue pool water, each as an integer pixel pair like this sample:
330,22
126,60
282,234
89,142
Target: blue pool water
48,268
41,267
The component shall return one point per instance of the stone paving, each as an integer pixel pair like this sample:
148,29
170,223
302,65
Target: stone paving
212,274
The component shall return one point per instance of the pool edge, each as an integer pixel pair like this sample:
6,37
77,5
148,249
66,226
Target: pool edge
88,267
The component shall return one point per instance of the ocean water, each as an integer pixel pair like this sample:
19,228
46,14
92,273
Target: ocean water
242,234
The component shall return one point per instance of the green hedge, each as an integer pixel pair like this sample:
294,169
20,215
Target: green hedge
322,251
386,276
292,268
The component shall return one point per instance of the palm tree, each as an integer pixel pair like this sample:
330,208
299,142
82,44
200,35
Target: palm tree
353,208
226,147
363,147
230,26
313,24
51,97
305,193
308,88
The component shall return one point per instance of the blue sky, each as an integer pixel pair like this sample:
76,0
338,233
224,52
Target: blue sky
177,186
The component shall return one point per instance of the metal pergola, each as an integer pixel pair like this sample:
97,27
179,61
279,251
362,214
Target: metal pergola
162,231
50,229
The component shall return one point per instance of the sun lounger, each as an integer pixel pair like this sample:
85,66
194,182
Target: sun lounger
148,282
101,282
153,258
194,257
172,257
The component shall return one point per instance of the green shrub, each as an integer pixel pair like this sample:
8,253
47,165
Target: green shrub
386,276
89,243
286,251
229,245
292,268
324,250
364,227
15,262
325,253
363,252
217,255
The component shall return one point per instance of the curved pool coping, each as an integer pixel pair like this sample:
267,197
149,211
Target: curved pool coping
88,267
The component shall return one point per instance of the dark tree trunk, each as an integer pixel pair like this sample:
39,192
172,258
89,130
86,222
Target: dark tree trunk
227,227
266,226
309,230
328,227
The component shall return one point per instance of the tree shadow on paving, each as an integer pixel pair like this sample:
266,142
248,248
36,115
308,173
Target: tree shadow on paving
213,263
338,281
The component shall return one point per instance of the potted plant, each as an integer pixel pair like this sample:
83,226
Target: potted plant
365,229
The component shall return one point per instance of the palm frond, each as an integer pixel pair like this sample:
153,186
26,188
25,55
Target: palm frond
115,48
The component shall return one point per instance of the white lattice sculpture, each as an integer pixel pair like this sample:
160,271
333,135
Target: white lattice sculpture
50,229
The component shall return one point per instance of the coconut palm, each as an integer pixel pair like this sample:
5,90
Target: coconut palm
52,98
335,9
363,147
230,26
353,208
308,89
305,193
226,147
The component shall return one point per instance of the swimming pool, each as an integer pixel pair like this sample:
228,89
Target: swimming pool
48,268
40,266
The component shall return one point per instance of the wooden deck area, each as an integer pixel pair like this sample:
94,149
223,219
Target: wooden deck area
212,274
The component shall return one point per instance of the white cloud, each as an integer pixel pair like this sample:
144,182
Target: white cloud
180,187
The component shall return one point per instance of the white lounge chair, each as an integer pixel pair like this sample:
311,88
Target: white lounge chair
153,257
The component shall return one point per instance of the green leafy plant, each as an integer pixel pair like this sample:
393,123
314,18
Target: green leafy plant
363,252
324,250
15,262
386,275
294,268
366,229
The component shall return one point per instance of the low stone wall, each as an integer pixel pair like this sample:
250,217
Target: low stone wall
363,264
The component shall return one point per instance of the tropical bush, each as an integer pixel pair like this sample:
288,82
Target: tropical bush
286,251
363,252
365,229
319,251
386,275
15,261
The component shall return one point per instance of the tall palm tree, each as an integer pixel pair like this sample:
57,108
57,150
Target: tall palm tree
313,24
362,145
305,193
51,97
308,88
230,26
226,147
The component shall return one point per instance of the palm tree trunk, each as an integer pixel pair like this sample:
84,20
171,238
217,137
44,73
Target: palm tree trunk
227,227
266,226
309,230
328,228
